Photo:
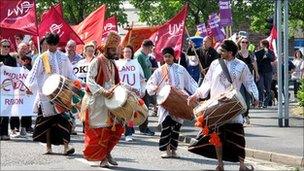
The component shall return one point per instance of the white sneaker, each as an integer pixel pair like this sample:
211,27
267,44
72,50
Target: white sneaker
247,120
129,138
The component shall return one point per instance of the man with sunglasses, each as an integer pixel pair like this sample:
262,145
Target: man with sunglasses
5,59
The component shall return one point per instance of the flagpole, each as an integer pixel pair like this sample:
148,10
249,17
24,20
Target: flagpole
38,44
193,48
130,35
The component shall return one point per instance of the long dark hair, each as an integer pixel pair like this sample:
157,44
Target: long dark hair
132,50
298,51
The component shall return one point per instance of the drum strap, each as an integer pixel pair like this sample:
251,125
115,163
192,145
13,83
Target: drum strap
46,63
225,69
165,73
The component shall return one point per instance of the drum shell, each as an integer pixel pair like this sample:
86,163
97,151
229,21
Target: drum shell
176,104
125,110
220,110
63,94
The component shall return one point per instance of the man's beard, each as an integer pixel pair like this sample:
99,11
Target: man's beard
111,56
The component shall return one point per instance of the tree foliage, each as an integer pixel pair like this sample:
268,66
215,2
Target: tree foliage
252,13
76,11
300,94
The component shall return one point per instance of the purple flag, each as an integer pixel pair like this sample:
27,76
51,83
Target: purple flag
216,28
225,13
202,30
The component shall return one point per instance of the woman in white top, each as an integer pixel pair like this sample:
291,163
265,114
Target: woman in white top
299,70
132,76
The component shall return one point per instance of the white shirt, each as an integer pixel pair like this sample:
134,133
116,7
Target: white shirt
299,69
131,74
180,79
216,82
60,64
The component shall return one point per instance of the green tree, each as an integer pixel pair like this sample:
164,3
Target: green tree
252,13
300,94
76,10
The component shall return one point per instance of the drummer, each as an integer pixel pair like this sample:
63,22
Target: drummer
231,134
102,131
177,76
54,129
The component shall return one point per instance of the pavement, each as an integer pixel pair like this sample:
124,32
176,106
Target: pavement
264,138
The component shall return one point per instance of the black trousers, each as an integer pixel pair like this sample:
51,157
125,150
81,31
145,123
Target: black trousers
169,134
26,122
4,125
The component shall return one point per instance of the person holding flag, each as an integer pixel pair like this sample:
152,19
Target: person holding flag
206,54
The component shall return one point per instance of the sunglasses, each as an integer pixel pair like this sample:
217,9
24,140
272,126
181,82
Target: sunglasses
245,42
6,46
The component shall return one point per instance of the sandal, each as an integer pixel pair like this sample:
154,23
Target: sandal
247,169
219,168
69,152
104,164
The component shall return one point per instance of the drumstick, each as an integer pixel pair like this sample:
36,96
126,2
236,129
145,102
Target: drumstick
113,88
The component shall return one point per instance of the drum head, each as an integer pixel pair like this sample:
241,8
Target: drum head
163,94
118,99
51,84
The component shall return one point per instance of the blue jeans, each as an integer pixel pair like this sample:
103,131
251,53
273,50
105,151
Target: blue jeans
264,87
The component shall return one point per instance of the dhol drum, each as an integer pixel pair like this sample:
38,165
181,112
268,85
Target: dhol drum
125,105
220,110
62,92
175,101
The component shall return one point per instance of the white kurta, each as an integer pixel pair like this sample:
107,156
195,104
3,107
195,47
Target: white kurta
98,112
60,64
216,82
180,78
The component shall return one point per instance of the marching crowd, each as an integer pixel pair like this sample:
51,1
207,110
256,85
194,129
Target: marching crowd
202,72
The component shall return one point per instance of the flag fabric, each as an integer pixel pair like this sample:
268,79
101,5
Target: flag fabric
53,22
201,30
90,28
216,29
225,13
135,36
109,25
57,7
272,40
170,34
18,15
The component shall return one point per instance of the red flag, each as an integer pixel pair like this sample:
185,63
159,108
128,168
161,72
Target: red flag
109,25
57,7
53,22
19,15
272,40
170,34
89,29
136,36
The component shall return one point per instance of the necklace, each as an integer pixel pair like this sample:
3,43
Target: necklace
110,72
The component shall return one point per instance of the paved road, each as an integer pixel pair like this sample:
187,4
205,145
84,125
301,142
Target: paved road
141,154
